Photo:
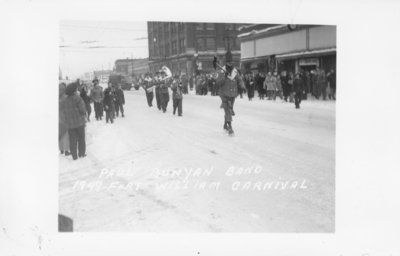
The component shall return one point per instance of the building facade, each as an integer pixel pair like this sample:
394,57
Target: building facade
189,48
288,47
131,67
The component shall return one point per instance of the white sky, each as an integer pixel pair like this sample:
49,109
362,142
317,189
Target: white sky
117,40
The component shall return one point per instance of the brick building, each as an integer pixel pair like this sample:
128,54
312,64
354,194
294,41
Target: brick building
187,48
131,67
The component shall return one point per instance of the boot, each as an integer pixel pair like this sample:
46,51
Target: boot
230,130
226,126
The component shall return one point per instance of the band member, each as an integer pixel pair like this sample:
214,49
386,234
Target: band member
229,82
97,96
177,91
164,84
156,83
119,100
148,88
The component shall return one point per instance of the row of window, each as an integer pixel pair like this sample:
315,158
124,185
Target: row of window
211,26
175,27
165,50
203,44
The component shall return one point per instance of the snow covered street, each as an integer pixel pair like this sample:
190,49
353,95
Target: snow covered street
156,172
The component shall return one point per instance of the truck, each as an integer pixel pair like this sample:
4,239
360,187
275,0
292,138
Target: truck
115,79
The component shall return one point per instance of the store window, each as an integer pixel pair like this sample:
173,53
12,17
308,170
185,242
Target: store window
210,44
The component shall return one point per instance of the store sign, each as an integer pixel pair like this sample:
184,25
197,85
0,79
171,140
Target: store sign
310,61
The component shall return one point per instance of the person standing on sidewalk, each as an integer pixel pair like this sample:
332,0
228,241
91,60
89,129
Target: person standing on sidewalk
97,96
109,103
74,112
278,86
332,84
269,86
87,100
63,137
120,100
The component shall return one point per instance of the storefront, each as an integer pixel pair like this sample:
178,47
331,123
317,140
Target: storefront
290,48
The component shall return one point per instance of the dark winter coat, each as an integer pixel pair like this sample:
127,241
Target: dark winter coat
298,85
84,96
229,87
120,97
109,98
73,111
332,80
62,124
164,85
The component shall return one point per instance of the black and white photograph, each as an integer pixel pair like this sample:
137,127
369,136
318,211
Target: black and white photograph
197,127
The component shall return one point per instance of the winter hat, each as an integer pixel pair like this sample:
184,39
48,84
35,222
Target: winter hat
71,89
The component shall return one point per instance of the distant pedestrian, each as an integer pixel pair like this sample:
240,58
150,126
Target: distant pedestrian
87,100
298,89
285,84
259,80
109,99
332,84
269,86
120,100
322,83
278,86
290,86
185,84
63,137
97,96
250,85
74,112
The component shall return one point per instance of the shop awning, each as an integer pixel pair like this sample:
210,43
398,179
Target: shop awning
312,53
